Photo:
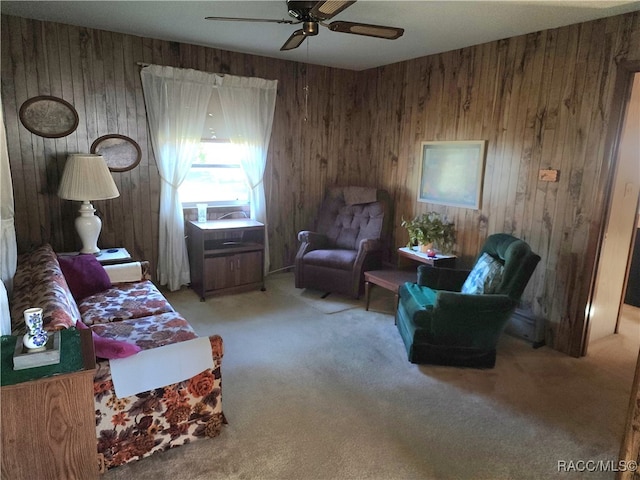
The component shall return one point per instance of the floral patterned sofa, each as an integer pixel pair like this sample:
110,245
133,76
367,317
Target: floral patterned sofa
139,425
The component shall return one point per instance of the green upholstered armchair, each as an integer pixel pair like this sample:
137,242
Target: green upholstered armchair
455,317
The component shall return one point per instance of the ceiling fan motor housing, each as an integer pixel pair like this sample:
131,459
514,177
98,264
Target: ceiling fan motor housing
300,10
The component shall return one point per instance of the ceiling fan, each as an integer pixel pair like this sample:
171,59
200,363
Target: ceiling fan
312,14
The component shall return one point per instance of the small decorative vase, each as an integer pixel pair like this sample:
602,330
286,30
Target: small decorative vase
431,252
36,337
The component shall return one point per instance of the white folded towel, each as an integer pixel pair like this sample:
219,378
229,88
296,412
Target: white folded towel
124,272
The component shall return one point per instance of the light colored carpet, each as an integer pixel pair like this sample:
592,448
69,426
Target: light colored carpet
333,303
331,396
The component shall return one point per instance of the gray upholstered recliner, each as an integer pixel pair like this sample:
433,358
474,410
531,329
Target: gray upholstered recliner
349,238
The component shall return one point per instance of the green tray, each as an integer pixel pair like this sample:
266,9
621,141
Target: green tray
70,359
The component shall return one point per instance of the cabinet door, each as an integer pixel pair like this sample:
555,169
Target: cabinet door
218,273
248,267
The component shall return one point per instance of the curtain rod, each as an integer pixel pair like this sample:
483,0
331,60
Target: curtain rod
145,64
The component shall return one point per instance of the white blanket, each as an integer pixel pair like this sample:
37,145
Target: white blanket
161,366
124,272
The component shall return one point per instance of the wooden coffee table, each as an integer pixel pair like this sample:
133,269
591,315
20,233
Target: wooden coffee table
389,280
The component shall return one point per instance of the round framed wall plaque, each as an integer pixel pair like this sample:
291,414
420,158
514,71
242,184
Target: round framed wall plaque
48,116
121,153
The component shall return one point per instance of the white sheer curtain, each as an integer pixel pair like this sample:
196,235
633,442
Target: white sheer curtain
248,105
8,247
176,101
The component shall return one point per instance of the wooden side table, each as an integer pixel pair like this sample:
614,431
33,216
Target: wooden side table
48,424
113,256
388,279
392,279
408,259
107,256
440,261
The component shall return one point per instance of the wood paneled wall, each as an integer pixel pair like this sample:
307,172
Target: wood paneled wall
544,100
97,71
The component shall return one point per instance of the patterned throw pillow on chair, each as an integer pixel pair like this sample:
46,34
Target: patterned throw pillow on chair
485,276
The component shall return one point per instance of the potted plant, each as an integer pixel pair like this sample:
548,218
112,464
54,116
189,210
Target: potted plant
430,231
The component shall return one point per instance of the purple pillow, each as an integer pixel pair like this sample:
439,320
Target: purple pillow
108,347
84,275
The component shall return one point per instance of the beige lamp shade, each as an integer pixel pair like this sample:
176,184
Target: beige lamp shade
86,177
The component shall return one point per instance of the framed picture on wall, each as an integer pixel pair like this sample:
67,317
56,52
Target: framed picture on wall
451,173
120,152
49,117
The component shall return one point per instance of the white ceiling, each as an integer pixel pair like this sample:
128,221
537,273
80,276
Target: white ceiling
430,26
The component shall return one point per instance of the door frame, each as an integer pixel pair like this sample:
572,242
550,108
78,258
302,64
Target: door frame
621,96
634,239
619,227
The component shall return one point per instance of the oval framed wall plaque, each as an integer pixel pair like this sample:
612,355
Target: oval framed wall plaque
48,116
121,153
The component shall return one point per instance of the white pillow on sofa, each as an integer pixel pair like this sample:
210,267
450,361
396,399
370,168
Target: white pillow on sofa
485,276
124,272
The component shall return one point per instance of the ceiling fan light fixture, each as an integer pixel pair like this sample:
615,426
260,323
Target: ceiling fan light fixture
310,28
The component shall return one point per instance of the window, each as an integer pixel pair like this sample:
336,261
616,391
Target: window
216,176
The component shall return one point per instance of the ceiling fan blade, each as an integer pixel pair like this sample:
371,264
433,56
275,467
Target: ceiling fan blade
329,9
390,33
232,19
294,40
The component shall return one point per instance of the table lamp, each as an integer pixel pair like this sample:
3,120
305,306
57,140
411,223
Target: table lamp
86,177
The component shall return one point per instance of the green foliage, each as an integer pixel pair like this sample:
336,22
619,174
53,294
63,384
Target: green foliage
429,228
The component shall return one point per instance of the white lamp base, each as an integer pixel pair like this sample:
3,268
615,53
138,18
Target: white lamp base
88,227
